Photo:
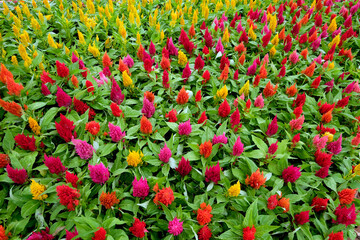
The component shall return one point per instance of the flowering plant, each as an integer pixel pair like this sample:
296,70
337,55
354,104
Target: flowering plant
155,119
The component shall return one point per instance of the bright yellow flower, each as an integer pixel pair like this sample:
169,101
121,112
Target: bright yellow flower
333,26
81,38
234,190
3,53
218,6
222,93
206,13
47,5
275,40
14,60
195,17
67,50
34,126
16,30
252,4
336,41
90,6
331,65
37,189
6,8
94,50
357,170
74,6
182,59
41,66
138,39
273,23
135,157
245,89
126,79
22,52
226,35
251,33
35,24
51,41
41,17
330,136
18,11
162,35
272,51
122,30
25,9
34,4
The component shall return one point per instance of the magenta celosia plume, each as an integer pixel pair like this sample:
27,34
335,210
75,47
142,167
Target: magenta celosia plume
99,173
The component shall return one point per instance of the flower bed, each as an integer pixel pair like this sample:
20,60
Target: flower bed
179,120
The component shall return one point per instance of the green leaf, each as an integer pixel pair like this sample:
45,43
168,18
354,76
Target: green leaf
107,149
260,144
36,105
8,141
228,235
17,227
251,215
330,182
28,160
173,126
111,222
263,229
29,208
48,118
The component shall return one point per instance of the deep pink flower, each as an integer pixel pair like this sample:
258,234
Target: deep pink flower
148,108
238,147
219,46
62,98
116,94
45,90
42,235
335,147
115,132
273,127
291,174
219,139
320,143
54,164
71,235
235,118
140,187
273,148
18,176
165,154
152,49
259,101
128,61
294,57
345,215
199,63
186,73
252,69
185,128
175,227
99,173
83,149
184,167
213,173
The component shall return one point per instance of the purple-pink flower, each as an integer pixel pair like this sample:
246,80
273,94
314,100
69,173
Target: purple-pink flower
175,227
54,164
115,132
62,99
99,173
335,147
273,127
320,143
238,147
18,176
140,187
148,108
291,174
273,148
184,167
83,149
165,154
220,139
219,46
185,128
128,61
259,101
116,95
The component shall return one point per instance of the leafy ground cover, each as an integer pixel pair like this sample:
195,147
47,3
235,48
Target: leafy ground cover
179,119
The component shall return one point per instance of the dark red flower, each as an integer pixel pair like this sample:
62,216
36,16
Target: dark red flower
116,95
323,158
323,172
299,101
184,167
186,73
65,128
291,174
62,98
319,204
224,109
165,79
18,176
45,78
99,234
25,142
199,63
272,202
54,164
336,236
81,108
61,69
273,127
213,173
204,233
302,218
71,178
345,215
343,102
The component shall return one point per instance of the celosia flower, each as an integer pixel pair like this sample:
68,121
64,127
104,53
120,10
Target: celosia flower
92,127
25,142
219,46
145,125
140,187
336,236
148,108
165,196
204,233
99,234
68,196
128,61
249,233
99,173
44,90
320,143
108,199
116,95
224,109
43,235
115,132
61,69
83,149
344,215
234,190
273,127
138,228
184,167
346,196
134,158
259,101
81,108
72,235
37,189
115,110
186,73
273,148
71,178
65,128
182,97
319,204
335,147
291,174
175,227
199,63
297,123
165,154
204,214
172,115
205,149
272,202
4,160
213,173
62,98
256,180
322,158
185,128
222,93
238,147
54,164
302,218
222,139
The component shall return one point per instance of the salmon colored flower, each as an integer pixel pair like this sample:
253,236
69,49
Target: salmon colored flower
92,127
269,90
145,125
256,180
346,196
284,203
165,196
206,149
292,90
183,97
12,107
106,61
204,214
108,199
